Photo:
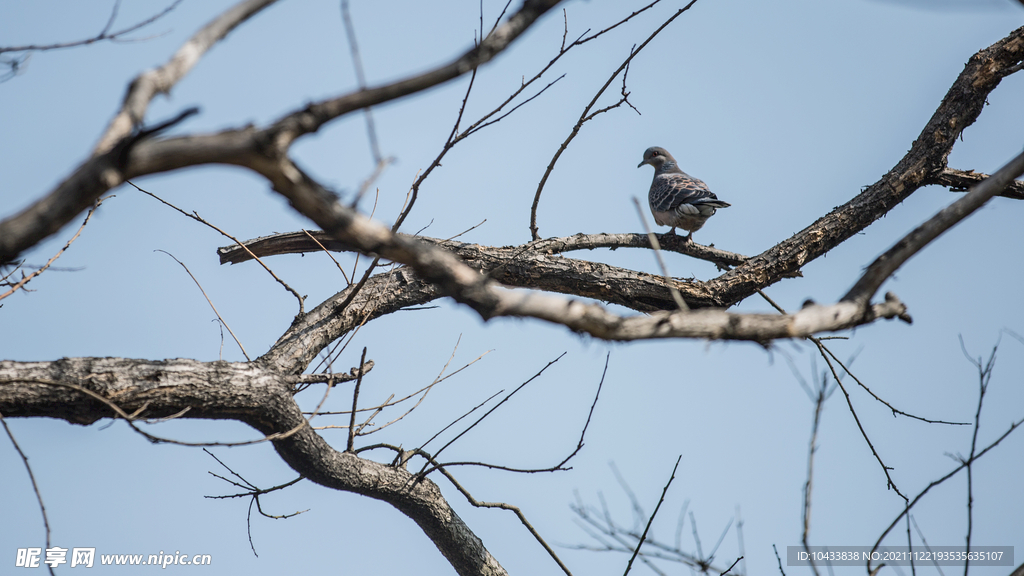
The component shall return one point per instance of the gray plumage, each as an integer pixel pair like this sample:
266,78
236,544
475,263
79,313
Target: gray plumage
676,198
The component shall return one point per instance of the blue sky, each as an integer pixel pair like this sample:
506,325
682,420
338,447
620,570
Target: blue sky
786,109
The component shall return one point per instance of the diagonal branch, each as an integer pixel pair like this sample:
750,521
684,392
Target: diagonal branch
959,109
107,167
160,80
886,264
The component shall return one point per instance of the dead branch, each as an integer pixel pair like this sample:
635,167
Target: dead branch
886,264
195,216
249,393
653,515
210,302
104,34
28,278
106,169
32,479
964,180
306,242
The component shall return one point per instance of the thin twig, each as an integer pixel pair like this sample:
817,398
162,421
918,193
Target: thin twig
926,546
586,115
513,509
254,492
355,404
466,231
426,390
210,302
25,280
422,473
474,409
779,560
733,565
819,403
350,31
885,469
661,262
557,467
887,405
935,483
653,514
105,34
984,377
195,216
818,342
32,478
329,255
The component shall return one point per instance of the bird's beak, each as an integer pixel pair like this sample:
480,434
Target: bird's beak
641,164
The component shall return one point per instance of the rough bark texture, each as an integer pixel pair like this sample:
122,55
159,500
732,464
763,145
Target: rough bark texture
83,390
246,392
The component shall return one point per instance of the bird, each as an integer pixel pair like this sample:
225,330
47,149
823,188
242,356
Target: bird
676,198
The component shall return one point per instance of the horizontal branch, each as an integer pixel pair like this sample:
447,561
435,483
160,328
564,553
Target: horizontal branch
335,377
963,180
246,392
301,243
454,278
104,34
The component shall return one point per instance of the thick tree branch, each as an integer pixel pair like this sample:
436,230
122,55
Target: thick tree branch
912,243
387,293
927,158
160,80
245,147
248,393
317,114
315,241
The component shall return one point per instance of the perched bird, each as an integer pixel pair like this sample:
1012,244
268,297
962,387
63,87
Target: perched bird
678,199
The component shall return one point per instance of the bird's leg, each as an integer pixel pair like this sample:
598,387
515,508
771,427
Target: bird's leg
671,232
689,237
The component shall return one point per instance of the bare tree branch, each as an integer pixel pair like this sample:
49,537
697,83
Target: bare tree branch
104,34
26,279
959,109
32,479
249,393
245,147
653,515
160,80
934,483
303,242
964,180
886,264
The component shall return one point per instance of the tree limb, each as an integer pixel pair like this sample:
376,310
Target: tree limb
247,392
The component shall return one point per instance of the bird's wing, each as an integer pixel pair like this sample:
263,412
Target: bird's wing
669,191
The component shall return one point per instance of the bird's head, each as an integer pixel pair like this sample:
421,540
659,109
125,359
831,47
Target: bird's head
657,156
